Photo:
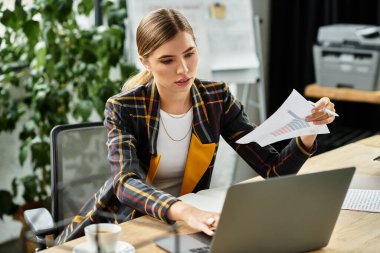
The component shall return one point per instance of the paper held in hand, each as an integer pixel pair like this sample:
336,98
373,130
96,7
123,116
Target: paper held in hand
287,122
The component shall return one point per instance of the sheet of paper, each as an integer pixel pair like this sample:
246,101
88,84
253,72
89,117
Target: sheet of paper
362,200
287,122
211,200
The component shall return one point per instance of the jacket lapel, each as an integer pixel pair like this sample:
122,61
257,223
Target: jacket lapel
201,126
152,115
198,160
152,120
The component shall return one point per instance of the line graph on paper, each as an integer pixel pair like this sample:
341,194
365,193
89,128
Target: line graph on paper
287,122
296,123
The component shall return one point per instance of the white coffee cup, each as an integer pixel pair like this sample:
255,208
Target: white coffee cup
106,235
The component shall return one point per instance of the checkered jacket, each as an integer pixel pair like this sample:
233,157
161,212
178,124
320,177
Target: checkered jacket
132,121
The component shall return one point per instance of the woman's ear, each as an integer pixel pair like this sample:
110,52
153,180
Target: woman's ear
144,62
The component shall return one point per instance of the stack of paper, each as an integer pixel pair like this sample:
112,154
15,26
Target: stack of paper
362,200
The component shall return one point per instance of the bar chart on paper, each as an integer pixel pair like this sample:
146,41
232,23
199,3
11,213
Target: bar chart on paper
287,122
295,124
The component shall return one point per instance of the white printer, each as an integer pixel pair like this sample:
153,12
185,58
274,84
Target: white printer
347,55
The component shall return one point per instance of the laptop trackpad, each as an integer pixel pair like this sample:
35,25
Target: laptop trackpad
197,242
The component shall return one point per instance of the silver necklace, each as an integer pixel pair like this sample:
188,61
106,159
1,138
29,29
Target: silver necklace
176,140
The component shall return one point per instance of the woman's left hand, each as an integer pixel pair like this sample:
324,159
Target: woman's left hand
318,116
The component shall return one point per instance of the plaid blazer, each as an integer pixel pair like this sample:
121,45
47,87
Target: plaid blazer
132,121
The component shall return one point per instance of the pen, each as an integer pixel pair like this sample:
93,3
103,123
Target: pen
325,109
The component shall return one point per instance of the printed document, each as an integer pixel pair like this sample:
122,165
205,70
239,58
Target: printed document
287,122
362,200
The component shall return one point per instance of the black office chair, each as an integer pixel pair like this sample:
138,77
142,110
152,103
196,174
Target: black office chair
79,167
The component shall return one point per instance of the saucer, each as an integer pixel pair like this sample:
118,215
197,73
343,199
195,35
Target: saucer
121,247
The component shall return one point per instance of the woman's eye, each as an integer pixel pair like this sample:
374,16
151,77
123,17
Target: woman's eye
166,62
189,54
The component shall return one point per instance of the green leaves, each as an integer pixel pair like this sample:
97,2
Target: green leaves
112,40
14,19
31,29
127,69
9,19
31,188
40,51
85,7
60,71
88,56
7,206
6,200
40,152
10,112
63,9
57,10
83,109
23,154
116,16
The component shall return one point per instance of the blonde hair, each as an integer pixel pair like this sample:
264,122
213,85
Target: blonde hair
154,30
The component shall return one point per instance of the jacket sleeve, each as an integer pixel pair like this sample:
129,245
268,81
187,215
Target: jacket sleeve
266,161
128,177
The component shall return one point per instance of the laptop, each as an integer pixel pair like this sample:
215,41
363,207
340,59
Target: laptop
294,213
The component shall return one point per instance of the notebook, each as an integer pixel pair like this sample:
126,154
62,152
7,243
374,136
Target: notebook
294,213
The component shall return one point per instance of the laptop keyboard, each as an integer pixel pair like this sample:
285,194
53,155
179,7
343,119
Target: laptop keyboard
204,249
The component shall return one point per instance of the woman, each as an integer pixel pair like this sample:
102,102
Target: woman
164,129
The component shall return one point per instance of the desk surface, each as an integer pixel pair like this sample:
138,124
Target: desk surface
354,231
343,94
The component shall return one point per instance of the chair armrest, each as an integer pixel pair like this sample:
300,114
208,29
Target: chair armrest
40,221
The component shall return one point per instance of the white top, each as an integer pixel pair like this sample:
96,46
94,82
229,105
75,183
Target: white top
172,164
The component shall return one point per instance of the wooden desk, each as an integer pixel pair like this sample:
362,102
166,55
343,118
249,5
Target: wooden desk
354,231
343,94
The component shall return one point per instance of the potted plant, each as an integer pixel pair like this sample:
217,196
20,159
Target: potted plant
53,70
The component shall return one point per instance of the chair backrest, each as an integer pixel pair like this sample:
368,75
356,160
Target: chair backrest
79,166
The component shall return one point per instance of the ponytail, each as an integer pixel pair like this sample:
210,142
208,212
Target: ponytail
142,78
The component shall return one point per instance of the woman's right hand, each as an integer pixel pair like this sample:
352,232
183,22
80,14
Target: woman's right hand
194,217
